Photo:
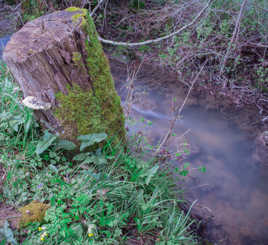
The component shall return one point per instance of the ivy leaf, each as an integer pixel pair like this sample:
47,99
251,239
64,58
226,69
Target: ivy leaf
46,141
91,139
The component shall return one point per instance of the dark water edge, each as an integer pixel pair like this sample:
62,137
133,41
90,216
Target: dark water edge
3,42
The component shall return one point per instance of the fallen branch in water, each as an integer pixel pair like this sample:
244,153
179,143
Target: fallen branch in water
160,38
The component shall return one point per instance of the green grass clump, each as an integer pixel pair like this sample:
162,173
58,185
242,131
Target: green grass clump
106,196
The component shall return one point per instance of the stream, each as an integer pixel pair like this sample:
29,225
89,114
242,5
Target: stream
233,189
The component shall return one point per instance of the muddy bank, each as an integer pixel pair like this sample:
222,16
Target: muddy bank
232,194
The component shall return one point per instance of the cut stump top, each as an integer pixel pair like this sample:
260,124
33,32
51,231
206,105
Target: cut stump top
38,35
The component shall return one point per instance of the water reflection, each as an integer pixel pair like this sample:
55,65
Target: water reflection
234,187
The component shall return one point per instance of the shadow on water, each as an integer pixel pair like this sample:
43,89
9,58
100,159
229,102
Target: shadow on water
234,187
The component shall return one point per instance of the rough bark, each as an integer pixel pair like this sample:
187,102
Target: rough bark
58,59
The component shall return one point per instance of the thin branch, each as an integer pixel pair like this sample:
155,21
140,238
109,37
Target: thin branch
130,81
96,8
160,38
234,37
177,113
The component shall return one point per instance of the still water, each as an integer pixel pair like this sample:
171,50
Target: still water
234,188
3,42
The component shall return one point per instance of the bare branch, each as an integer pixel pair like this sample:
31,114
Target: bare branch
96,8
130,81
177,113
160,38
234,37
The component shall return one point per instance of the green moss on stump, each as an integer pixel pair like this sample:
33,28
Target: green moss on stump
98,109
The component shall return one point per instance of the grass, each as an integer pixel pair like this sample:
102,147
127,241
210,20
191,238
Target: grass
108,196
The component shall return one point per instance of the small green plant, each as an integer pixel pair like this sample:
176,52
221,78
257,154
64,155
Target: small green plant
98,196
262,78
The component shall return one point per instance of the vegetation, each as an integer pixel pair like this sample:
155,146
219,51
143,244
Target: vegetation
110,195
207,40
105,196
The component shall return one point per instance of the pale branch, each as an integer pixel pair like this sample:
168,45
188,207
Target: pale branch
189,91
234,36
160,38
130,80
177,113
96,8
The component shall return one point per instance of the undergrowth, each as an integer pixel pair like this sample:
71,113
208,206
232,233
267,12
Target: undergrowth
107,196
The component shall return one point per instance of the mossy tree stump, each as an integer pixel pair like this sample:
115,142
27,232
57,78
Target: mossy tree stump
58,60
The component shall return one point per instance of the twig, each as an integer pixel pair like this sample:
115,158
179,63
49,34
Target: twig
177,113
130,80
234,37
160,38
96,8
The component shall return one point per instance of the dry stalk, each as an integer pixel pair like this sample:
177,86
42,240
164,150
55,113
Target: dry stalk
132,75
177,113
234,38
97,7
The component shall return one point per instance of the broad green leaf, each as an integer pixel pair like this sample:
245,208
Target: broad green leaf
28,123
90,159
46,141
91,139
14,124
80,157
78,229
65,145
53,168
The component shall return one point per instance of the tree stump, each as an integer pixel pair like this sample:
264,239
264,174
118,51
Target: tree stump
59,64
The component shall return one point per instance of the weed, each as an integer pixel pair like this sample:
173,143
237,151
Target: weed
103,196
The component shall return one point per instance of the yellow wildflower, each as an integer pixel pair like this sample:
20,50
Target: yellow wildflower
42,237
40,228
91,230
